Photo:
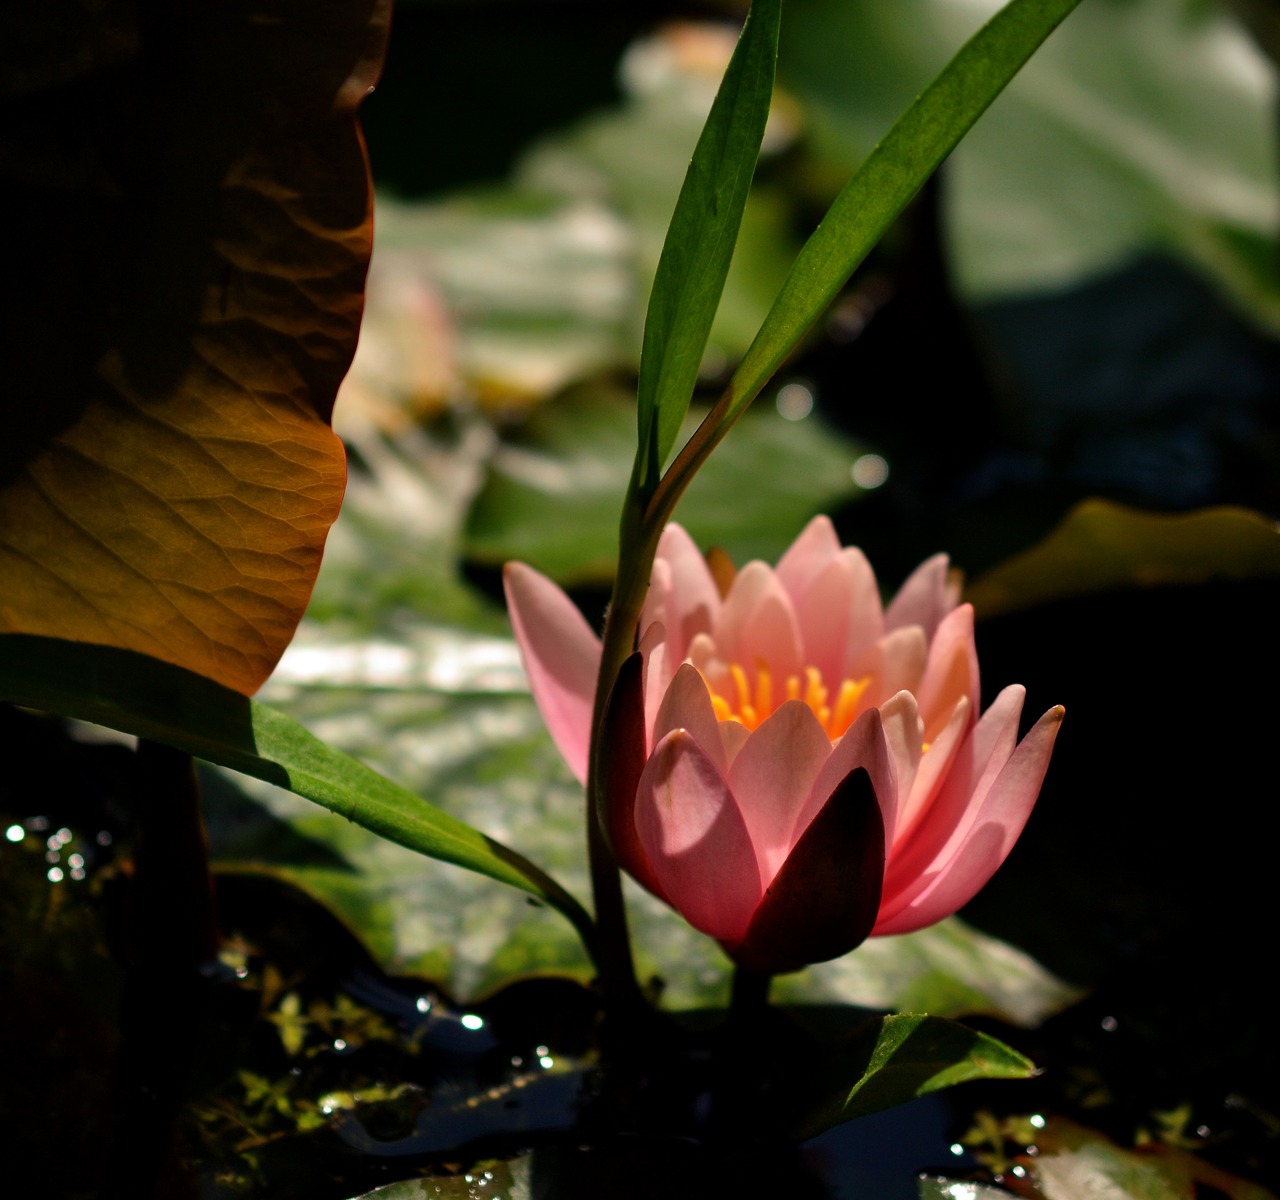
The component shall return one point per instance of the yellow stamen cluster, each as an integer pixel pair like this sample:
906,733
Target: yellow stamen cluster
749,705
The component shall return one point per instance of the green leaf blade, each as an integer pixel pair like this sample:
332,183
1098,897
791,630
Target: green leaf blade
897,1058
892,174
700,240
153,699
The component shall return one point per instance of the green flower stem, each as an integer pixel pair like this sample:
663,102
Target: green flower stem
748,1000
638,544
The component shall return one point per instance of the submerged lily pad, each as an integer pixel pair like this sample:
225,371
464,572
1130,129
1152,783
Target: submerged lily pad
1100,546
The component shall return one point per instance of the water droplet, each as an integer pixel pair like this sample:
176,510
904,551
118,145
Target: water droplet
55,874
546,1061
1203,1131
1019,1170
53,843
52,856
104,837
64,835
15,833
517,1061
339,1044
423,1004
38,824
1037,1121
956,1148
77,873
75,861
472,1021
542,1051
1110,1024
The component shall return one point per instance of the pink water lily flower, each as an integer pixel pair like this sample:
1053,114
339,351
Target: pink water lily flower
792,766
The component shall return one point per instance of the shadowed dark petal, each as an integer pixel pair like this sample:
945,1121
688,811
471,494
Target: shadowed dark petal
824,900
623,753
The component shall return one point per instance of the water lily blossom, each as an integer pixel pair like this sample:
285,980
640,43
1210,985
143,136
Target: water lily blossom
791,765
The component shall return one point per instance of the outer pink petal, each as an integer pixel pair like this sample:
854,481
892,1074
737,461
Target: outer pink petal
682,593
687,705
807,556
1003,814
924,599
771,778
561,657
696,840
758,622
974,769
950,672
864,745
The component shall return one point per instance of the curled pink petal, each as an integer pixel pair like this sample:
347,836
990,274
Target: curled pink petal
687,705
561,657
696,840
970,863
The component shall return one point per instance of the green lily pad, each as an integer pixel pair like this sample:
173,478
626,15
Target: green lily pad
552,495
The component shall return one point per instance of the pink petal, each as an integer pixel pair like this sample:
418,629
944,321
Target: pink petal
973,770
864,745
824,900
687,705
895,663
924,599
966,867
807,557
561,656
696,840
771,778
657,673
950,672
758,623
916,799
903,735
839,615
733,736
682,593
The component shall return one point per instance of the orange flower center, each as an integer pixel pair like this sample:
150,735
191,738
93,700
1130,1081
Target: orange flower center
750,705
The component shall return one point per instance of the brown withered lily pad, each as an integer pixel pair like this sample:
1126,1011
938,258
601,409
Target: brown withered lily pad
191,219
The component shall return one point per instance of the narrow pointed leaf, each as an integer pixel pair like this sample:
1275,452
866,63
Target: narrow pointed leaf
878,192
195,232
152,699
700,240
897,1058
